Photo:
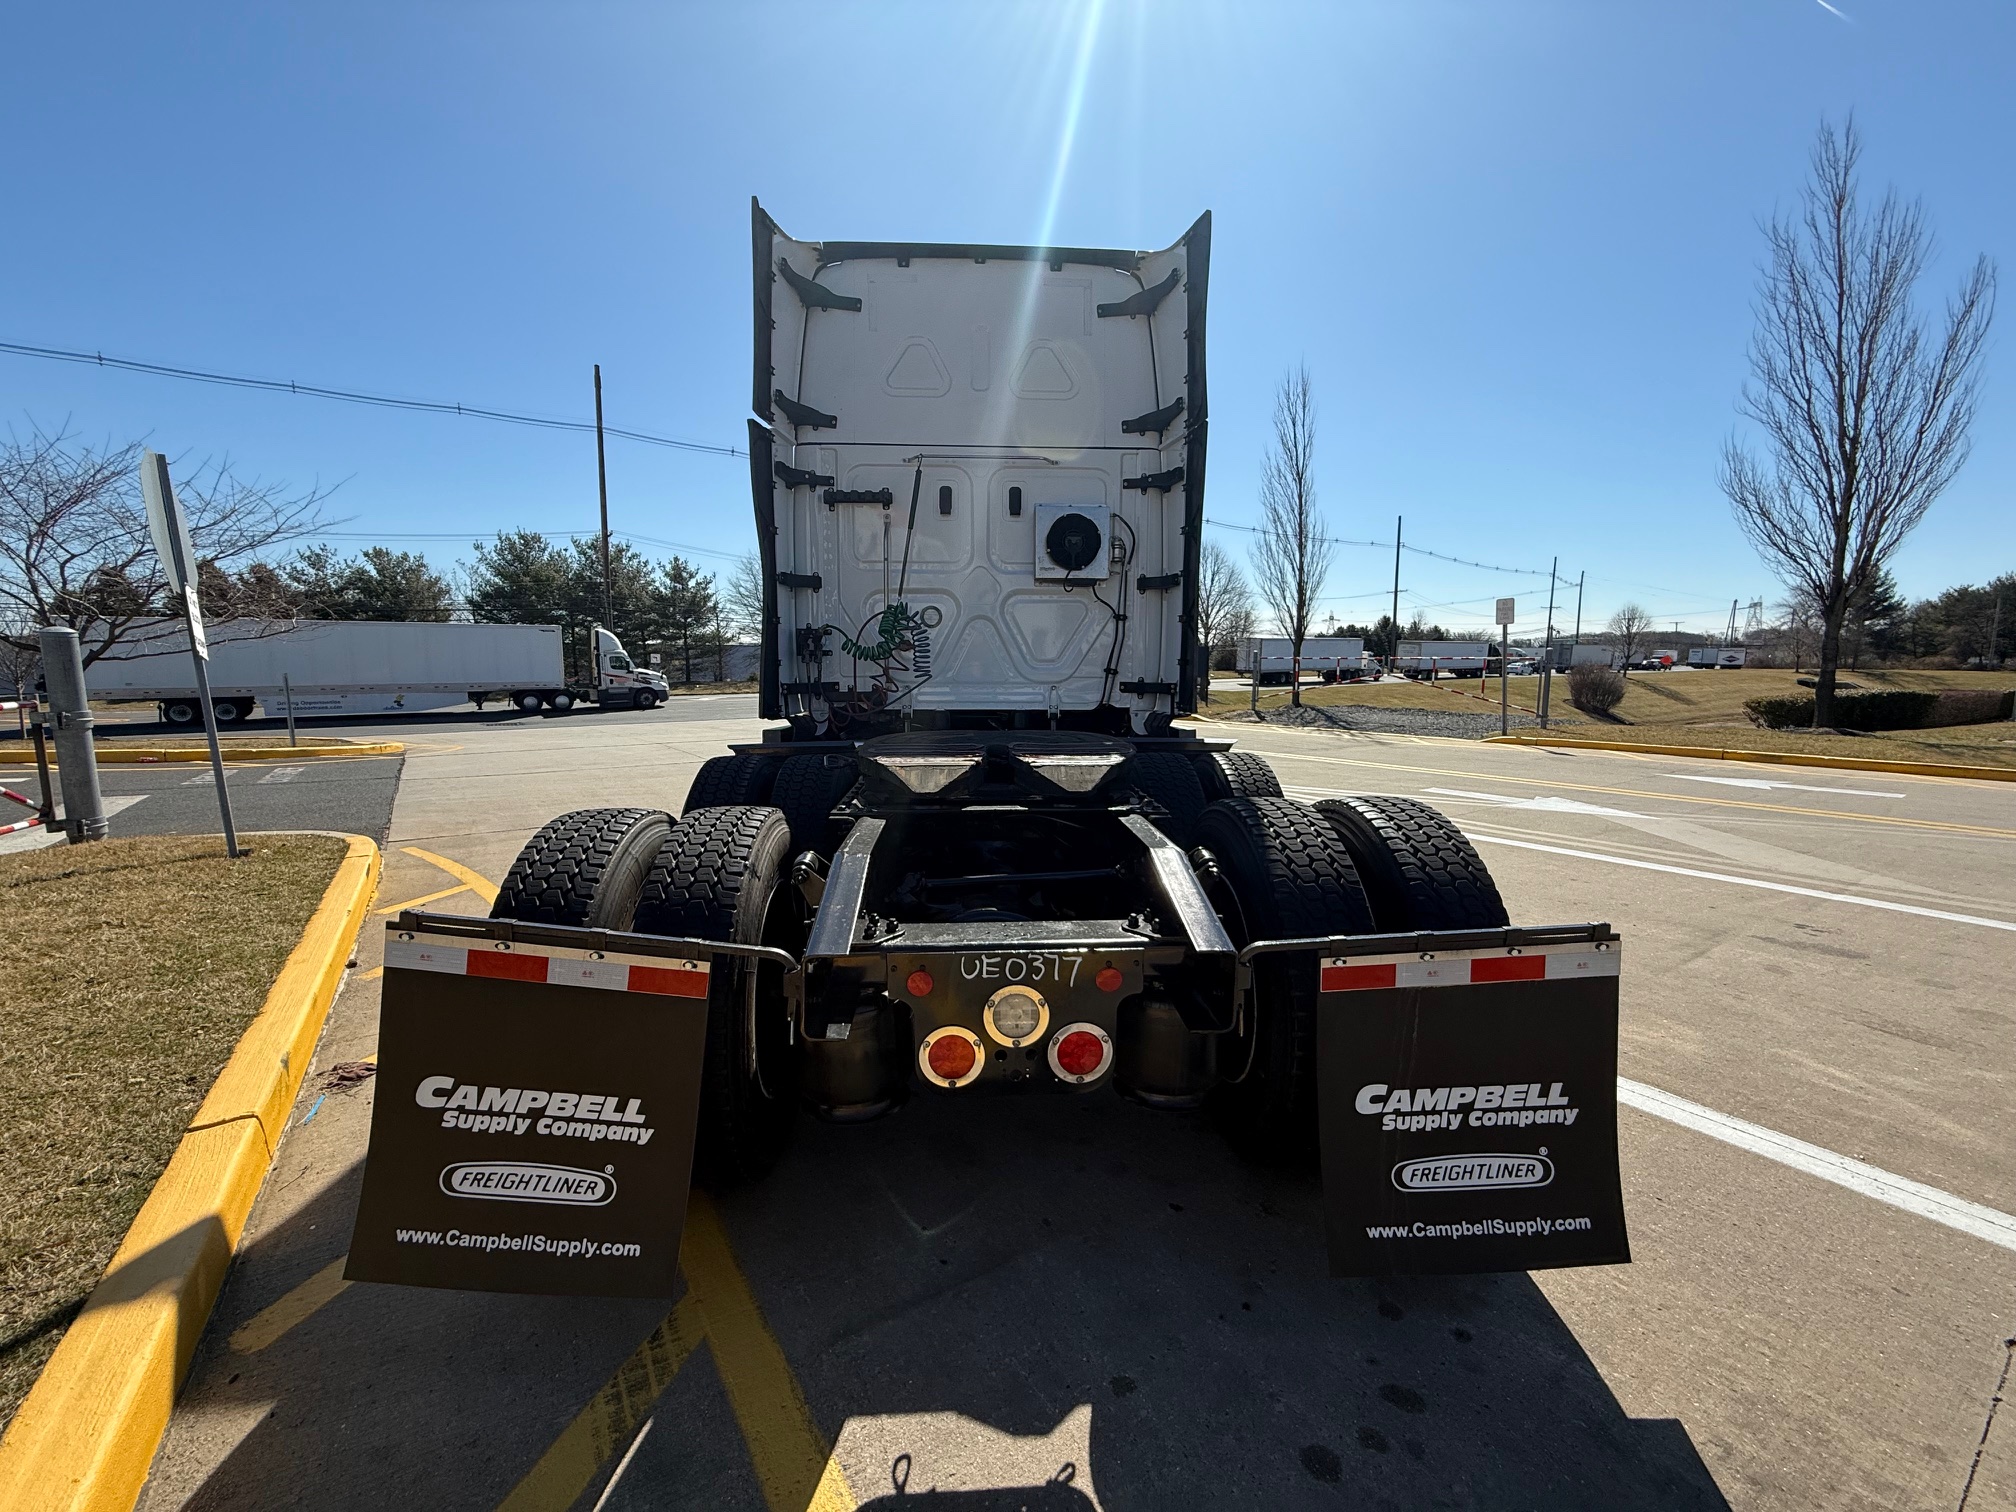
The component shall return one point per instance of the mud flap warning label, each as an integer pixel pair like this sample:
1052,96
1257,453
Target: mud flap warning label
533,1123
1468,1108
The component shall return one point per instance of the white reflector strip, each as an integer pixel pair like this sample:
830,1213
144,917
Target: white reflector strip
423,955
1583,963
660,976
1466,968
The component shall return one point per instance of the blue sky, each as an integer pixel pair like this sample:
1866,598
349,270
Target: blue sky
1514,242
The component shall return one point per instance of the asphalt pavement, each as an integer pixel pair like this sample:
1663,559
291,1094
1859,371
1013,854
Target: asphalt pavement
1079,1302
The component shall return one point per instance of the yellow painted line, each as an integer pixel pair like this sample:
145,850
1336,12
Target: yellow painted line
433,897
601,1429
115,755
792,1459
1943,769
86,1435
474,881
1617,792
372,1058
372,975
310,1297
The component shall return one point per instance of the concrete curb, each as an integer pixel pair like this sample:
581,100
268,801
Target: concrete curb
1776,758
142,755
84,1439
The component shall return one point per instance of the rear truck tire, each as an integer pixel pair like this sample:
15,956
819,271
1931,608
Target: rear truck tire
720,876
1174,795
528,703
228,710
807,789
585,869
561,702
725,780
1419,870
1236,774
182,712
1281,874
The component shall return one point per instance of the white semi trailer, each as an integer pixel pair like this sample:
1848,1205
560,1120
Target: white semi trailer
362,667
1443,658
1271,658
1716,656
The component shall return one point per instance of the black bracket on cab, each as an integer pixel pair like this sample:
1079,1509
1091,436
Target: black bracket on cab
814,296
1161,482
798,477
1149,687
1157,421
812,689
1146,584
810,580
803,414
1145,302
880,496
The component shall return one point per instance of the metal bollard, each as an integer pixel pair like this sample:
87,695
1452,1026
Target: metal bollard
69,717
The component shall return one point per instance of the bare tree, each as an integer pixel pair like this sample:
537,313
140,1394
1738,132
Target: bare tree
1224,603
1864,408
1629,627
1292,555
75,549
742,598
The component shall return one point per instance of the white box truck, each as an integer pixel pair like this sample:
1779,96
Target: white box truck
1427,659
1271,659
362,667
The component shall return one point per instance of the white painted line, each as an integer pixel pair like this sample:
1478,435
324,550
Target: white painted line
1766,785
1547,804
283,774
1778,887
1870,1181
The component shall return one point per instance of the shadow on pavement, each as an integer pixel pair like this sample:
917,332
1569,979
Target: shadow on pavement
954,1287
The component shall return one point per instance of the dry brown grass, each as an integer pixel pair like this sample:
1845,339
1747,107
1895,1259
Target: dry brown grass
261,739
1664,699
128,970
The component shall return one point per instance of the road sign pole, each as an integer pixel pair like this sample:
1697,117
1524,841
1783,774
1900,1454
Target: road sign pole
287,687
69,705
1506,608
178,565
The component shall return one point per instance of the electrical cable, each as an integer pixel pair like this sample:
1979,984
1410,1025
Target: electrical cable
352,396
1388,546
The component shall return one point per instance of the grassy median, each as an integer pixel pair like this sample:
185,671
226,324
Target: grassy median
128,970
1687,708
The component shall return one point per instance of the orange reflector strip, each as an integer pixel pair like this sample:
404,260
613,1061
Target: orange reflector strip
1358,978
668,981
1527,968
507,964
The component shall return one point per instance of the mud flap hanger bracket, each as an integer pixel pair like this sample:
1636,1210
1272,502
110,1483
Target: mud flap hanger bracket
573,937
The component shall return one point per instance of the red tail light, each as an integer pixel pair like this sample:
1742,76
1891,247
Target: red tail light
919,983
1080,1052
1109,979
951,1056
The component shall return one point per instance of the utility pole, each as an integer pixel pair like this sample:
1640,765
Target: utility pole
1579,581
1547,651
602,483
1393,661
1730,638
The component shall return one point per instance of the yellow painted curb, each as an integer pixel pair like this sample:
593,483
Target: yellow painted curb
1776,758
112,755
85,1438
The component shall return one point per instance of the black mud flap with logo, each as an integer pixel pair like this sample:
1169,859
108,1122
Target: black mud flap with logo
535,1108
1467,1100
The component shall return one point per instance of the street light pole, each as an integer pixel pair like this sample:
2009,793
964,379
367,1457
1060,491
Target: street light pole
1393,660
602,484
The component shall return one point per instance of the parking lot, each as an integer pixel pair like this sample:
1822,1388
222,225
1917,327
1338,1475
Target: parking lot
1080,1302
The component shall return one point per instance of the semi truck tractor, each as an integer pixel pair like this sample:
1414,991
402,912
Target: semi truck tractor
976,852
363,667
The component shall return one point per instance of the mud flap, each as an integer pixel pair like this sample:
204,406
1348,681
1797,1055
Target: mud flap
535,1110
1468,1106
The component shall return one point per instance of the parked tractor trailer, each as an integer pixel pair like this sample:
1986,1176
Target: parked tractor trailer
325,667
975,854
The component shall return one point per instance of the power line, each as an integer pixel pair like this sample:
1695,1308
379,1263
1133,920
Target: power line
470,537
1388,546
352,396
